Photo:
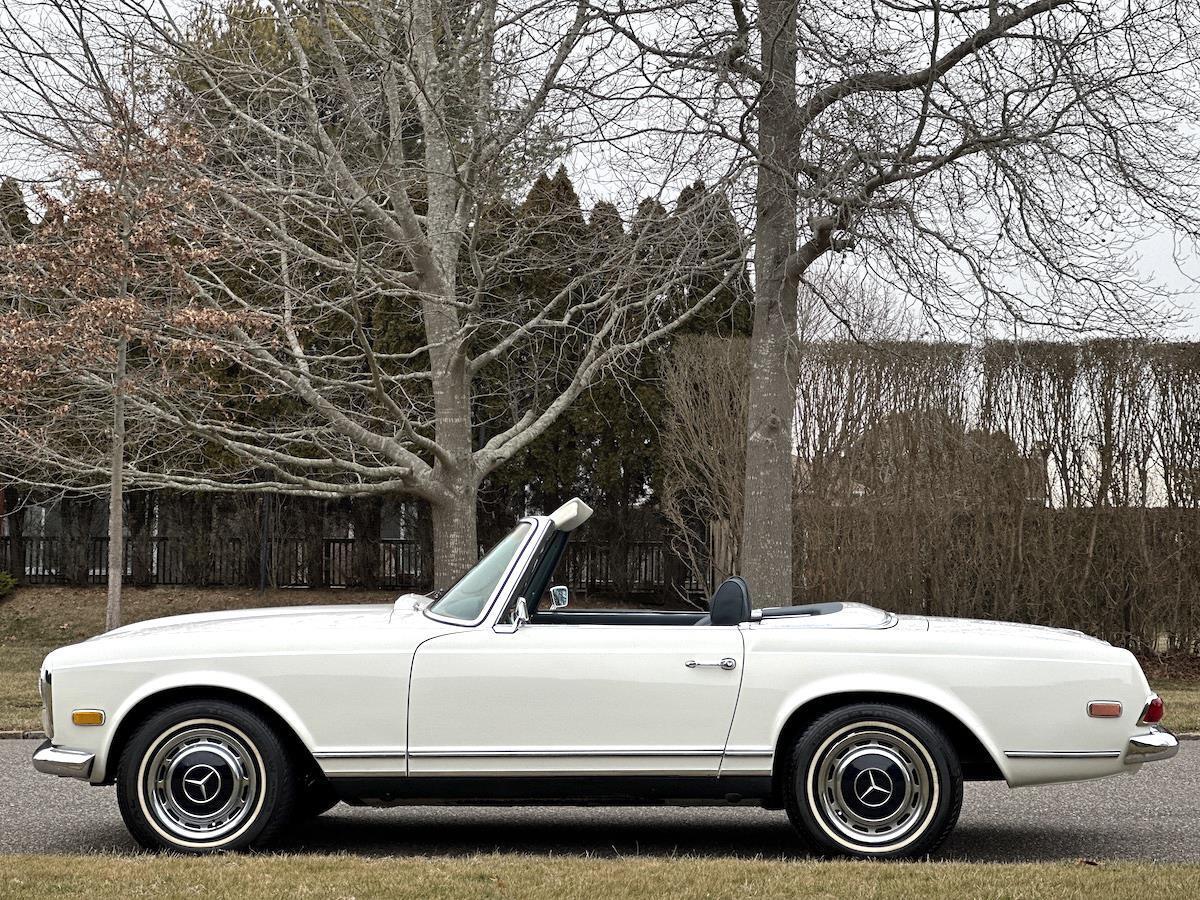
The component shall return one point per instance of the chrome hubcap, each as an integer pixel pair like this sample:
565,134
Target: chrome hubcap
201,782
873,785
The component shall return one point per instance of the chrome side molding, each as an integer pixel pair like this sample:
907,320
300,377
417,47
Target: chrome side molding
1062,754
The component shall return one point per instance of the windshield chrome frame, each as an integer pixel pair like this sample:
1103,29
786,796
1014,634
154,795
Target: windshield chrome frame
507,583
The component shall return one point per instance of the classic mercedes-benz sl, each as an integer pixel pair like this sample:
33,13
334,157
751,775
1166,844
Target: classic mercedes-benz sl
219,729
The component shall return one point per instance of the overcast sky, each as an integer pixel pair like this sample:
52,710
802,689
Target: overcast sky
599,176
1159,258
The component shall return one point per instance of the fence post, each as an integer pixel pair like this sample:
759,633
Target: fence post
264,541
313,524
15,516
75,547
366,514
140,506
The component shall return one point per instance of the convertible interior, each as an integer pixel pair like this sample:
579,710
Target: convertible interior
729,605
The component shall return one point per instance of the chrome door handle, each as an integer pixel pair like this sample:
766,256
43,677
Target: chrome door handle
727,663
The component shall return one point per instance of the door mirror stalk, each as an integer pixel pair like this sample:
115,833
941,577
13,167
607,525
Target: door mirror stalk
518,619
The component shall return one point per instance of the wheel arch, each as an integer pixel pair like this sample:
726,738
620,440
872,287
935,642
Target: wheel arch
153,700
977,761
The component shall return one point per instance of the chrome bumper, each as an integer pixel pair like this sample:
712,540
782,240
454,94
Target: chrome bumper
53,760
1158,744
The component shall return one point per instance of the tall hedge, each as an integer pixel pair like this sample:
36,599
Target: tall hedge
1056,483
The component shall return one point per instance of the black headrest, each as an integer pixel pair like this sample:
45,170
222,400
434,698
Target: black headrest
730,605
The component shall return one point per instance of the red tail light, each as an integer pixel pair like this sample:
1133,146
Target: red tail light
1153,712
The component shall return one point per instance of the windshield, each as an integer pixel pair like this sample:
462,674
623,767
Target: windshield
471,592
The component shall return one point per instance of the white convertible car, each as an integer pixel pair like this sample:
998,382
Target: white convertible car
218,729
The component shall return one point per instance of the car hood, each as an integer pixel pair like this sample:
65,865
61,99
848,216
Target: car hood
291,618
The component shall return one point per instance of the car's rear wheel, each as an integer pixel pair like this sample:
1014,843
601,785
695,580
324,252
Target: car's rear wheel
203,776
874,781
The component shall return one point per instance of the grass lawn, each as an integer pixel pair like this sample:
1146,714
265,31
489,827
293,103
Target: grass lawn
544,878
35,620
1182,700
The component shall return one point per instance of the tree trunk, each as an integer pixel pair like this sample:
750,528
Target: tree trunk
454,541
116,525
767,522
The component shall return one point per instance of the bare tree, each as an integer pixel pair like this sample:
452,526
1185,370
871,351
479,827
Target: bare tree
704,453
91,285
706,390
989,162
359,159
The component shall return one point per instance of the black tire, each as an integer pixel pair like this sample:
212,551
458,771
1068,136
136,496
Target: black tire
206,776
873,781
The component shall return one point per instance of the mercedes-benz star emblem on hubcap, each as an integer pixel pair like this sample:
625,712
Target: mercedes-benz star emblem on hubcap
201,783
873,787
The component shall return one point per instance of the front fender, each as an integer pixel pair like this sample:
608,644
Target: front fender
193,680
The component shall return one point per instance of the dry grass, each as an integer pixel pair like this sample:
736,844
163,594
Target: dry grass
540,878
1182,700
35,620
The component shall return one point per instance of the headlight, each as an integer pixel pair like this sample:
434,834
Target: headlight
47,704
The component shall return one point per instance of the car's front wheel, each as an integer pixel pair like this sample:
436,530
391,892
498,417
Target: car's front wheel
203,776
874,781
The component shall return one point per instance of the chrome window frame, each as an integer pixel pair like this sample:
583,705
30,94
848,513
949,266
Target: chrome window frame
520,561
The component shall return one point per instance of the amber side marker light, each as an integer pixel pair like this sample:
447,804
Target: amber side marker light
1104,709
88,717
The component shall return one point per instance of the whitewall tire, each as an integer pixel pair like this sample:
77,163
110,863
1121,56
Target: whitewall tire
874,781
205,776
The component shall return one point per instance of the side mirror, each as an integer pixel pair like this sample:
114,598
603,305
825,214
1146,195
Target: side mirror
559,596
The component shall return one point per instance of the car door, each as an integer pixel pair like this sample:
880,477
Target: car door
574,699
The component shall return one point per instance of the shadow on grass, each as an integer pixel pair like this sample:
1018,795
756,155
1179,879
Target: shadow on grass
627,832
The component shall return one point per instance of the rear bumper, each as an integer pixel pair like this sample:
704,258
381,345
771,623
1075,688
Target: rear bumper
51,760
1158,744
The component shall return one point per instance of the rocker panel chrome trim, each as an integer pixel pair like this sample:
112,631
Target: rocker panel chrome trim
360,754
1062,754
558,753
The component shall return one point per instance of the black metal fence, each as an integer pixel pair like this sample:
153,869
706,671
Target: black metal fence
638,567
286,562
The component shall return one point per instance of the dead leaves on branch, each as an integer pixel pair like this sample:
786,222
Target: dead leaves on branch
112,258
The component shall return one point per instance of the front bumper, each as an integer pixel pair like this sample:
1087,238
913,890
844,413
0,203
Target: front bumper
1158,744
52,760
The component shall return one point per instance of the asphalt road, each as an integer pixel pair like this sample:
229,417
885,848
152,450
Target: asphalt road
1154,815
